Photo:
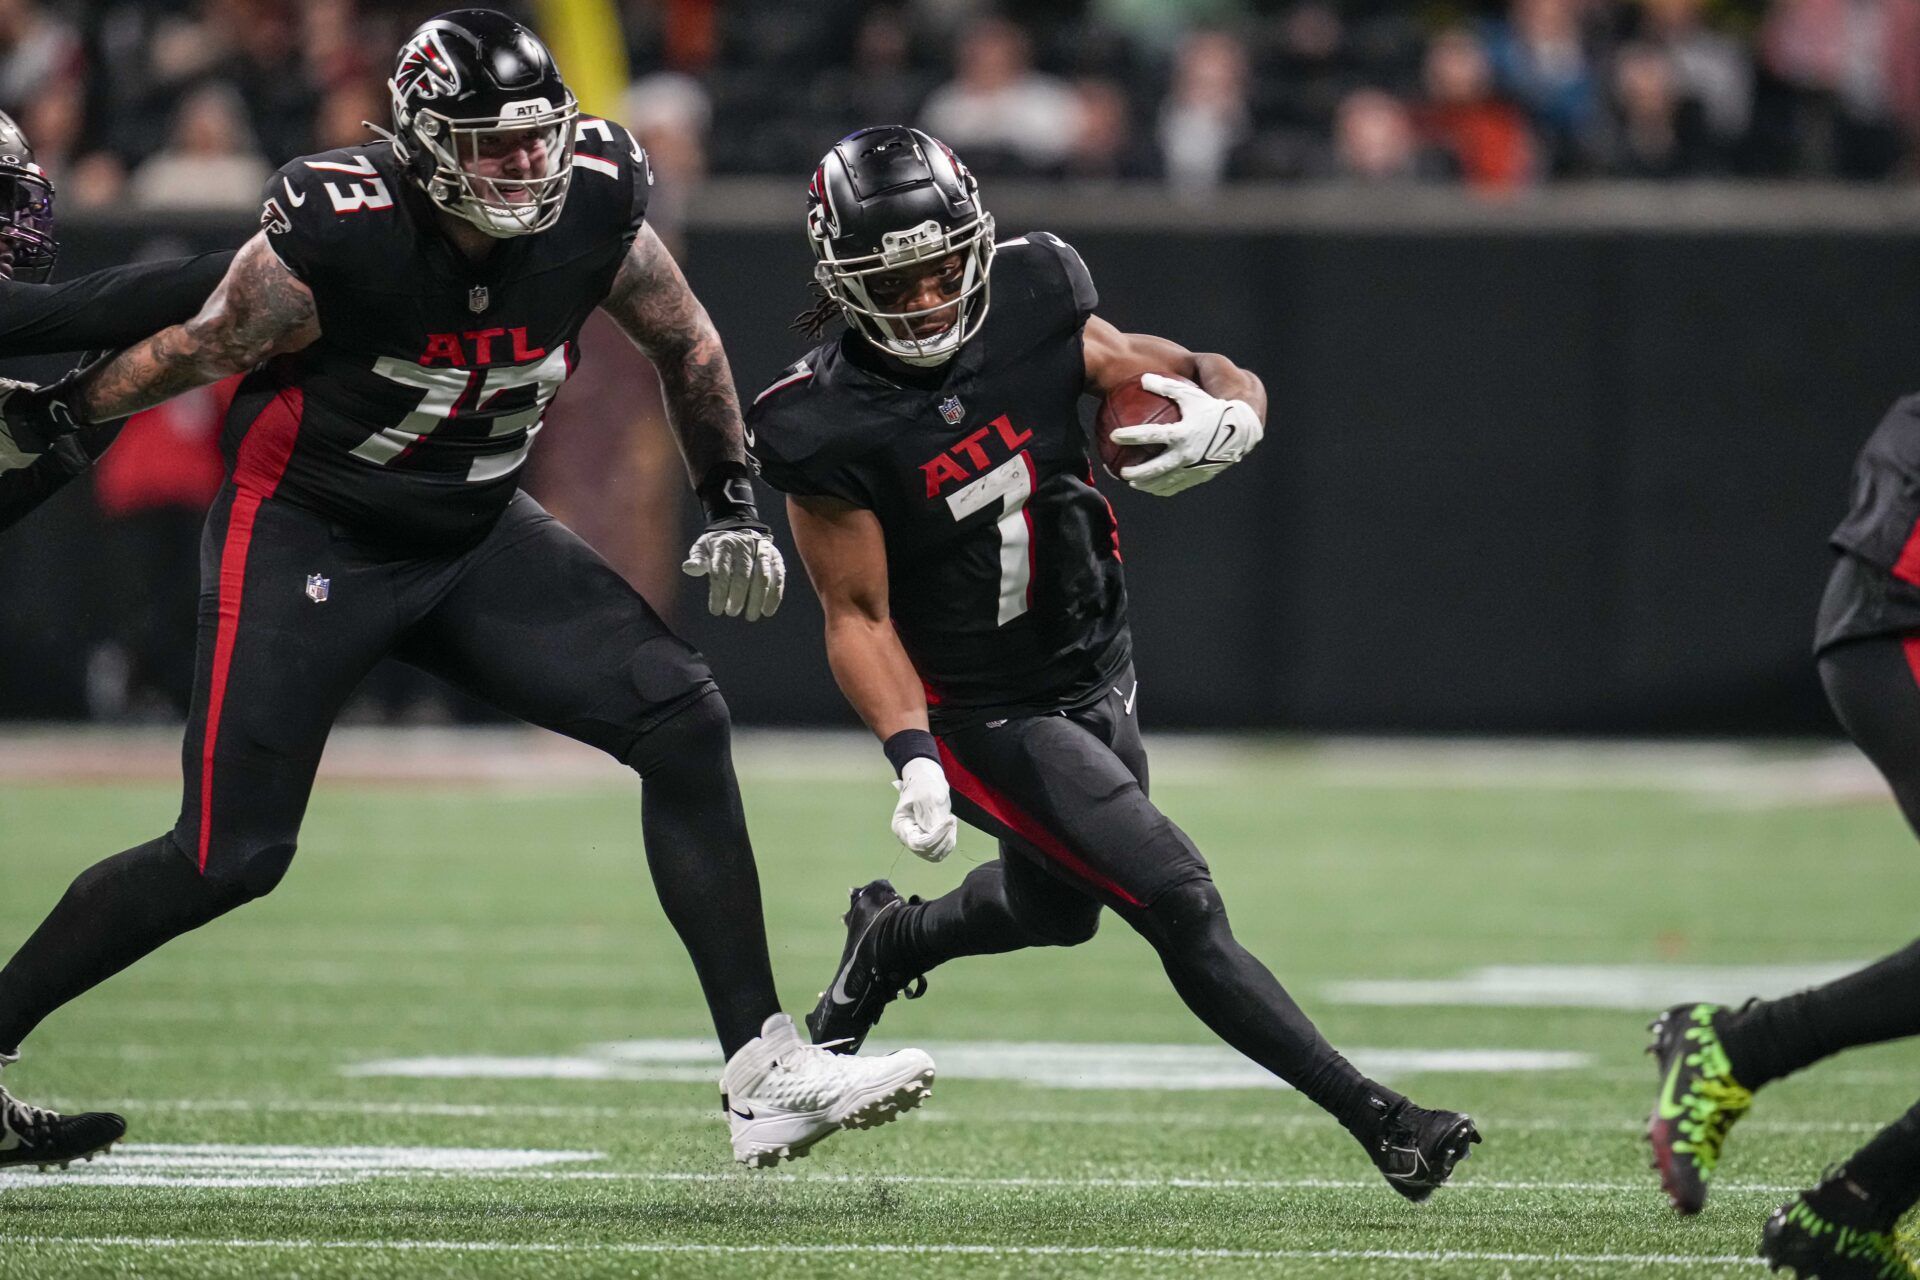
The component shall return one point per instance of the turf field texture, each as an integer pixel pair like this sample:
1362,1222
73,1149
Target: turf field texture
461,1040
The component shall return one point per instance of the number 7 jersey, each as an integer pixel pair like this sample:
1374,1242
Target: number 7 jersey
409,418
1003,560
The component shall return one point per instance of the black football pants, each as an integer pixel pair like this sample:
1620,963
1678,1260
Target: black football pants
1066,794
293,613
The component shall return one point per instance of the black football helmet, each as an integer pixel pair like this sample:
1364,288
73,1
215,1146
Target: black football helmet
882,202
26,209
466,84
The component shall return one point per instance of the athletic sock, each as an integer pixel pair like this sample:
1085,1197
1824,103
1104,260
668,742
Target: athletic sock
1887,1169
1774,1038
973,919
114,913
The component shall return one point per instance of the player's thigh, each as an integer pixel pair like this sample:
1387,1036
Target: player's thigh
291,617
1054,785
1115,721
1874,686
541,627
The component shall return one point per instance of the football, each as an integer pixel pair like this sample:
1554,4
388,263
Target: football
1130,405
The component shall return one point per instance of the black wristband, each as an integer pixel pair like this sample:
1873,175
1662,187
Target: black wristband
910,744
726,491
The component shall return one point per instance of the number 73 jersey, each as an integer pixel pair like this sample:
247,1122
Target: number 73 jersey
407,420
1003,561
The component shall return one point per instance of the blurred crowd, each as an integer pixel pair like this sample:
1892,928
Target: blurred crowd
190,103
1195,93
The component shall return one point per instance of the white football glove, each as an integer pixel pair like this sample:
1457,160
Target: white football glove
744,571
923,819
1211,435
12,456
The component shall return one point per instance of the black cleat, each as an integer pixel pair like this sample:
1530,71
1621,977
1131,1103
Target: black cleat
33,1135
1415,1149
864,985
1699,1101
1834,1232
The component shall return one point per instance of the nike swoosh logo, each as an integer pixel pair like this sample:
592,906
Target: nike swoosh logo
1222,438
13,1142
292,199
1668,1108
1126,699
839,993
744,1115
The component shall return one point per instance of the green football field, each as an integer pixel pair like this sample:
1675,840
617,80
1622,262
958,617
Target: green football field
461,1040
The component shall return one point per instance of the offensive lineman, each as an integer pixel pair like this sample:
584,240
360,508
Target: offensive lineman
407,311
1711,1058
940,493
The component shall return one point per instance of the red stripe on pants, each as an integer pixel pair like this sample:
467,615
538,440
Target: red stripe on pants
1907,567
1015,819
257,470
1911,644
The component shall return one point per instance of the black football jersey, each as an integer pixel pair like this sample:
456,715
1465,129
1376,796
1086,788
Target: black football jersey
1003,560
416,407
1876,589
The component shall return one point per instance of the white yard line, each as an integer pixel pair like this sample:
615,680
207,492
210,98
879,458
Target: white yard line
212,1164
934,1115
1440,1256
202,1165
1625,987
1040,1064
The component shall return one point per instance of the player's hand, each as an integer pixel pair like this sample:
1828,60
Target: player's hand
34,421
1211,435
744,570
12,455
923,819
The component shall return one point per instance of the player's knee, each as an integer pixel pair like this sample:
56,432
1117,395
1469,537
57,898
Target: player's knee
242,870
1190,914
697,736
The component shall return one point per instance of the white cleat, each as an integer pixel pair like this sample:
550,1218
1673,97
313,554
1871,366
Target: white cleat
782,1095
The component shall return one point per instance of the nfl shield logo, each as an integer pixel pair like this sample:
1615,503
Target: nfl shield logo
952,410
477,299
317,588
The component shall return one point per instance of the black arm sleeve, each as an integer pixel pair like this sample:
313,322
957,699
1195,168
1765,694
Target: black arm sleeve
25,488
107,309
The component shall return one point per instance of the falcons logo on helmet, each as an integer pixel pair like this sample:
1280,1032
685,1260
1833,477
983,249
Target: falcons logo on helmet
425,69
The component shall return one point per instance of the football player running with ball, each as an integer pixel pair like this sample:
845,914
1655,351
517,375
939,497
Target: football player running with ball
404,316
1713,1059
941,496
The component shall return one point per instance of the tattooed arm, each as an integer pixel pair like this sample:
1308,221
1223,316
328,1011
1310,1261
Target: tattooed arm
259,310
650,300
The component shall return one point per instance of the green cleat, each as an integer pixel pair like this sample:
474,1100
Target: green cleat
1699,1101
1808,1237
